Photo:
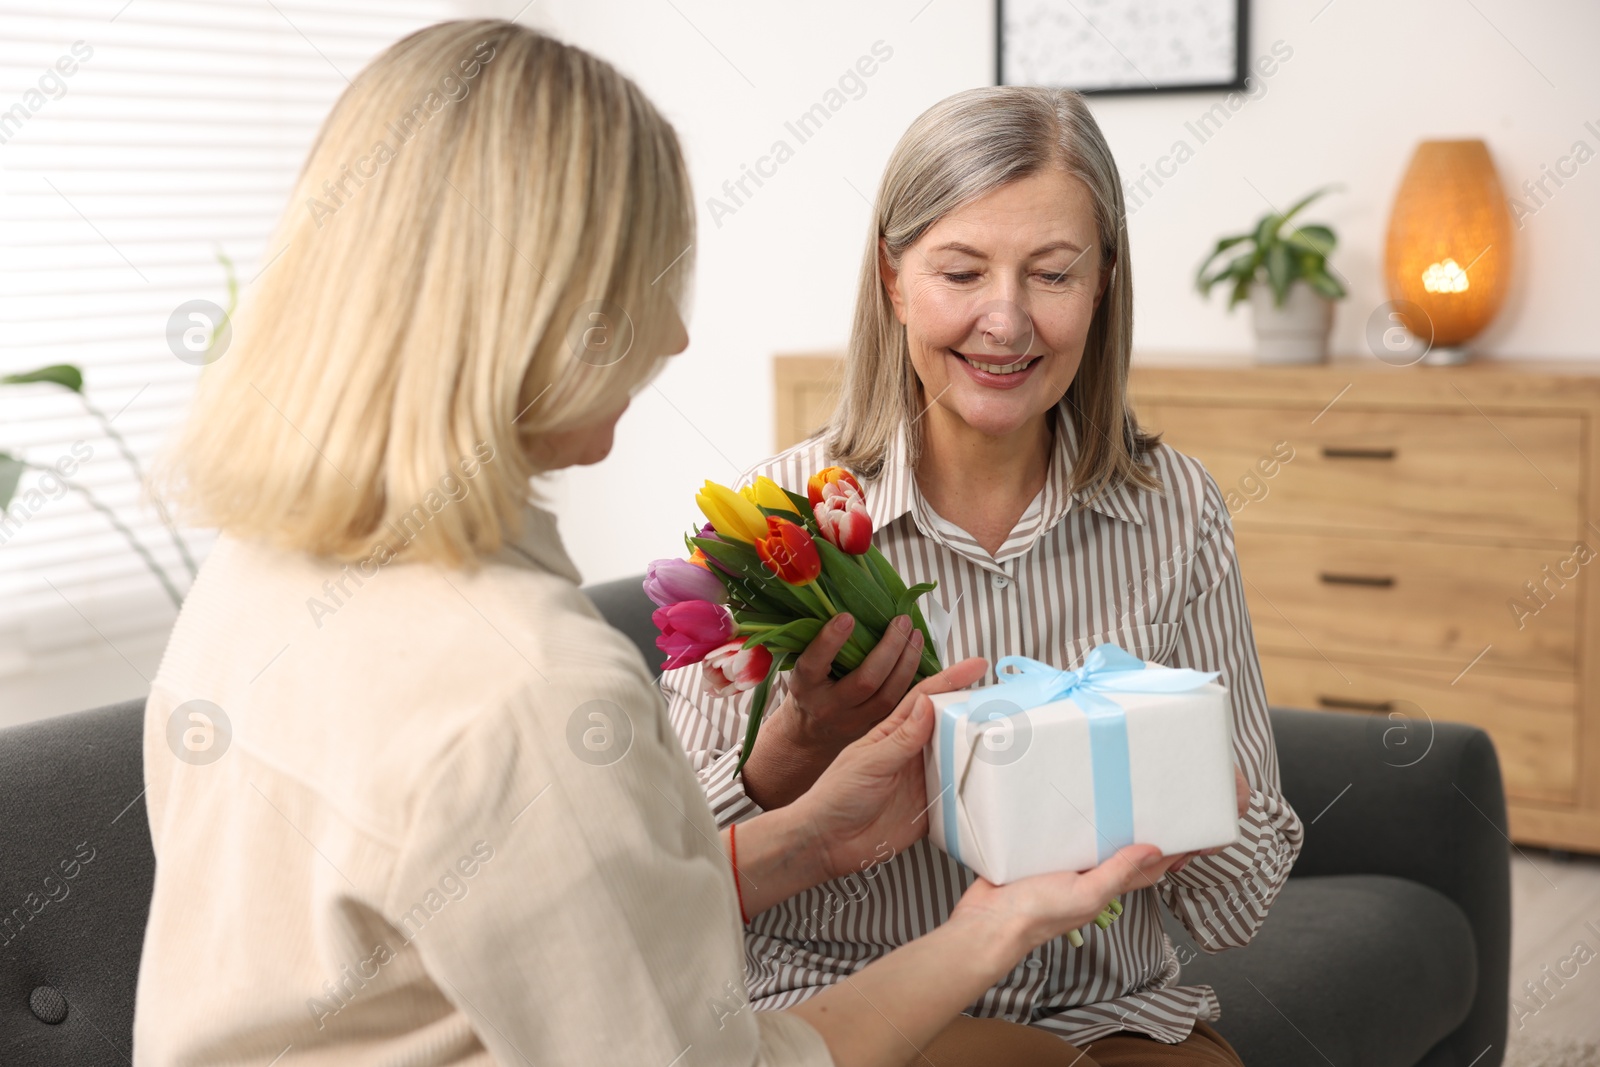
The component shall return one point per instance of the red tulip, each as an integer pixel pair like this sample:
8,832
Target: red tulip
690,629
844,523
731,669
789,552
833,481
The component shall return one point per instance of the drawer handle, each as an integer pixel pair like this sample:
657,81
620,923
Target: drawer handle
1347,704
1375,581
1335,452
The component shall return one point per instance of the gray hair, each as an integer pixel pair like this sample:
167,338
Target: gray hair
960,149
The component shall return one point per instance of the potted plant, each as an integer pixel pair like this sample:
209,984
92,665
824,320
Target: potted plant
70,377
1282,267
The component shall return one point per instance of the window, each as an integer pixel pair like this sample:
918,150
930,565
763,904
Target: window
140,143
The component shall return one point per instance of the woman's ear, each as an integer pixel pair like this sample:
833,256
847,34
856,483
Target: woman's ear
891,280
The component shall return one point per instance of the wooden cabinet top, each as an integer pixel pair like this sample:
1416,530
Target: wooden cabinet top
1535,384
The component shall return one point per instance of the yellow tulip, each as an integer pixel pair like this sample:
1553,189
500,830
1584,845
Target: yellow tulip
768,494
731,515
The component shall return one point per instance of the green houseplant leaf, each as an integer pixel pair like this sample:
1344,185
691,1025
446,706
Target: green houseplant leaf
1277,251
1280,268
63,374
1326,284
11,469
1313,238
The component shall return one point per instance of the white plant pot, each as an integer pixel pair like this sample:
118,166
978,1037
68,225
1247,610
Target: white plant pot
1298,331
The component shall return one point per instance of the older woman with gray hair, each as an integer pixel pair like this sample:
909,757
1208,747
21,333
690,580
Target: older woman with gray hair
984,409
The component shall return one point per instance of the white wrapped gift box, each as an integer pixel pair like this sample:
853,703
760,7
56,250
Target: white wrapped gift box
1053,770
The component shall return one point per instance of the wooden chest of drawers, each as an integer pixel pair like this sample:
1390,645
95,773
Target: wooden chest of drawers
1415,542
1422,555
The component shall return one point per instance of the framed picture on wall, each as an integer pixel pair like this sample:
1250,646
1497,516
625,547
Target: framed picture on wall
1122,46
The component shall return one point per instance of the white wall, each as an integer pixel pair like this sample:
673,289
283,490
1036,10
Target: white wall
1364,82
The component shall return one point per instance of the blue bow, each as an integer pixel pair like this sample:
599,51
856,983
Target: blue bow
1106,669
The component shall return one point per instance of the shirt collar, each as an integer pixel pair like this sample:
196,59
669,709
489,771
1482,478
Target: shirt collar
894,493
540,543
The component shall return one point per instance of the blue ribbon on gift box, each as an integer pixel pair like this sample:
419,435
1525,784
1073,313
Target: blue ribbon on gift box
1106,669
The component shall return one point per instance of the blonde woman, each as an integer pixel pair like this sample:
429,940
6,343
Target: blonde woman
984,410
412,801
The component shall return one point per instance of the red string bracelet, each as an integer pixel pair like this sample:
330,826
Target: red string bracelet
733,854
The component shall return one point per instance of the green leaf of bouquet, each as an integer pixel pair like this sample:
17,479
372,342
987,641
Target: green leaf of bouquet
891,581
792,636
758,708
868,601
782,513
929,663
803,505
63,374
908,599
760,619
747,598
756,585
888,577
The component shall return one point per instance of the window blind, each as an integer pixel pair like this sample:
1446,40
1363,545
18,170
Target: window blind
138,140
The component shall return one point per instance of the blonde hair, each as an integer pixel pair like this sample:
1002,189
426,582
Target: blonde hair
480,202
963,147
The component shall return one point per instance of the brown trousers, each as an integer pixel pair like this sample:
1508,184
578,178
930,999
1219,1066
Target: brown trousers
969,1042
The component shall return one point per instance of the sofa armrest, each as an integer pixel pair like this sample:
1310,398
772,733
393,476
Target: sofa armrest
1417,799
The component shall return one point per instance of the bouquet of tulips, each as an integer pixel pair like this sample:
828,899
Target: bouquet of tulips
764,575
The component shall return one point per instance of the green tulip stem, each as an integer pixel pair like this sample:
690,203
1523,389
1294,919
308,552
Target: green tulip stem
745,629
1075,939
827,605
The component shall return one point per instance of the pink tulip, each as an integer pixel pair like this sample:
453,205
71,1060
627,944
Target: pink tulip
731,669
842,517
690,629
669,581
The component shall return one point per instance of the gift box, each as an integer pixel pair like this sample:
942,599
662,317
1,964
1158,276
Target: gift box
1053,770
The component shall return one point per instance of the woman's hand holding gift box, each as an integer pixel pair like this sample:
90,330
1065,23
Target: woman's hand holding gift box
870,803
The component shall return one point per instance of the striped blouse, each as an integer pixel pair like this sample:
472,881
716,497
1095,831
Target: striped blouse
1154,572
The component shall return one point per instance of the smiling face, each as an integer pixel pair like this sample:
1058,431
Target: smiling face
997,298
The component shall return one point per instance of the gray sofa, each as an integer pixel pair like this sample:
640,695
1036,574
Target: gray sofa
1389,947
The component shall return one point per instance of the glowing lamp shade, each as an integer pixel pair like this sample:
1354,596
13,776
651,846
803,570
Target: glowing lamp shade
1449,254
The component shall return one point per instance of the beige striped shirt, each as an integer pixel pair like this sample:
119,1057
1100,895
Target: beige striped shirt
1152,572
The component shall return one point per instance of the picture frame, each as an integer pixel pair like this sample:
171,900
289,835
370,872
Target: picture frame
1123,47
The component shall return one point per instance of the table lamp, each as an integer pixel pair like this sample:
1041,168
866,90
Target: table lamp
1448,259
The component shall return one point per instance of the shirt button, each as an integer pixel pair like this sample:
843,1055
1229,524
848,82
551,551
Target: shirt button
999,581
